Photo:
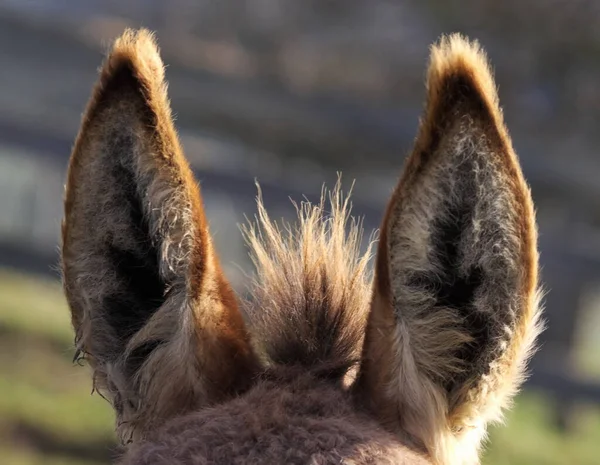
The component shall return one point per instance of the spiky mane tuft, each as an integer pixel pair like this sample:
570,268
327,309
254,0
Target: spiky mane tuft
312,288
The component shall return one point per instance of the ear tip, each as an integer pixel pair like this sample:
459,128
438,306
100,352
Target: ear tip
138,49
456,59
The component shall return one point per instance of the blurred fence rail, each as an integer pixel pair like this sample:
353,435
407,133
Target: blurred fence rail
292,142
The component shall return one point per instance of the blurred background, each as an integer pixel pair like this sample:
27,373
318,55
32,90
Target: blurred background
290,92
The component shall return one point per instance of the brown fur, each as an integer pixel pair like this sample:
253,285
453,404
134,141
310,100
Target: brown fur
312,286
305,420
131,196
426,352
439,338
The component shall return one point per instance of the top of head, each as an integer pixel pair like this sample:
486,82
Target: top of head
405,365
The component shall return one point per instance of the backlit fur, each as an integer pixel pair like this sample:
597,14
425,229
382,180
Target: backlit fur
324,363
312,285
450,365
139,268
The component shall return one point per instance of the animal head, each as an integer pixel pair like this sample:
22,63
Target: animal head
327,362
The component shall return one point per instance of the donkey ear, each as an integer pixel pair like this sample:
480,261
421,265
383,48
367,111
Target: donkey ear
151,308
455,310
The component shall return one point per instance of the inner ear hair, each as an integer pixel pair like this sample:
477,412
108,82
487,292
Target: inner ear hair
141,275
455,310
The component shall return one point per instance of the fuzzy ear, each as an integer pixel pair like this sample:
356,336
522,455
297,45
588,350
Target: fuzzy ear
151,308
455,307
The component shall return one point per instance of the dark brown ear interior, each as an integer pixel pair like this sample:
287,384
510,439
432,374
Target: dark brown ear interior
112,244
151,308
454,313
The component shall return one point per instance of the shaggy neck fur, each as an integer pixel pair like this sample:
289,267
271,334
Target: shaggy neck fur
302,420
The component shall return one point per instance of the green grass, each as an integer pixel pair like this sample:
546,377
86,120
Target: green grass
47,415
47,412
529,436
14,456
34,306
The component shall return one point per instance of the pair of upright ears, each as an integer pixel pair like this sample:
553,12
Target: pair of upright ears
454,310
